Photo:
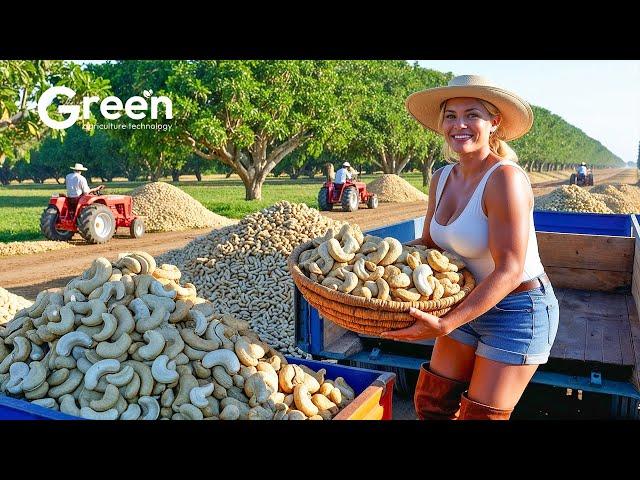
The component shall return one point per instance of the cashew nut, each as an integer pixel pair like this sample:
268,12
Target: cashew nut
97,370
66,323
102,268
69,385
126,323
68,405
114,349
122,378
108,400
89,413
336,251
381,251
110,324
158,289
198,395
303,402
162,371
132,412
36,377
150,408
395,249
225,358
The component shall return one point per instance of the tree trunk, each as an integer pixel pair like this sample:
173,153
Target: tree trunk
541,166
5,171
253,191
330,173
175,175
427,169
229,174
254,163
198,175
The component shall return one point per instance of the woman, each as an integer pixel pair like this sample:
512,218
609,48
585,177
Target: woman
488,347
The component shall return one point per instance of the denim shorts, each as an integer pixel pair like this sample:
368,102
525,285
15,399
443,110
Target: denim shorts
519,330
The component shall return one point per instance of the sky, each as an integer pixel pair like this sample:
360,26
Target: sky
600,97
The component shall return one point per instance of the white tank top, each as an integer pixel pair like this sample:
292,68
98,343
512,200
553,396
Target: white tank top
468,235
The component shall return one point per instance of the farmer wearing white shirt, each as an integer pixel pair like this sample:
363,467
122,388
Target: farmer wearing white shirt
343,174
582,169
76,184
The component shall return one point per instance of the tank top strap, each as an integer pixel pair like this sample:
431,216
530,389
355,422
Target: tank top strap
477,195
441,181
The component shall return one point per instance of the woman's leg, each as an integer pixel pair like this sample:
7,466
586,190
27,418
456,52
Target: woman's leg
453,359
495,389
440,385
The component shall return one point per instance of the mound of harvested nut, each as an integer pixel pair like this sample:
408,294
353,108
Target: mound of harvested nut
10,304
125,340
382,268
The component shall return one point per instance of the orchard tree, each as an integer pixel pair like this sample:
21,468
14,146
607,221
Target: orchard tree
386,133
21,84
251,114
157,151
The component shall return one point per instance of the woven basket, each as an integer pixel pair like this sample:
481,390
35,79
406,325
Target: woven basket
368,316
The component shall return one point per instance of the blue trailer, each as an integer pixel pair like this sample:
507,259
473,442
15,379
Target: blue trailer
593,367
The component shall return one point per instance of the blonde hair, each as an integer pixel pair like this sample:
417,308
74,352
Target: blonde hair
497,146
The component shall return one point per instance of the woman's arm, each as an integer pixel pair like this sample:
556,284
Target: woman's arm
426,235
508,199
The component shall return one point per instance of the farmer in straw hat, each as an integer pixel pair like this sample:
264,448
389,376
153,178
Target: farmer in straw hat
76,184
481,209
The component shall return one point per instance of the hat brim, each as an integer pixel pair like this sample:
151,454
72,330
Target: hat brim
80,169
517,116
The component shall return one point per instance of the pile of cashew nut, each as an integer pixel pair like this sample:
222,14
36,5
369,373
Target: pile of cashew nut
382,268
10,304
243,268
126,340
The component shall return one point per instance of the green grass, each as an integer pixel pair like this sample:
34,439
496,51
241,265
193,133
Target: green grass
21,205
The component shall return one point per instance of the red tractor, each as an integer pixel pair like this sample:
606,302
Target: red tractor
348,194
95,217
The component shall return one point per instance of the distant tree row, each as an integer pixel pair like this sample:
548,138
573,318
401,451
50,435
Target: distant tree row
261,117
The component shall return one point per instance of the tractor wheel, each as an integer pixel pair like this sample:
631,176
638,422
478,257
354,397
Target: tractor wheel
48,221
590,179
323,201
373,201
572,179
96,224
137,228
350,199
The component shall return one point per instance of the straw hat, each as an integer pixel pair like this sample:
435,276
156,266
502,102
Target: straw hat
517,116
346,164
78,166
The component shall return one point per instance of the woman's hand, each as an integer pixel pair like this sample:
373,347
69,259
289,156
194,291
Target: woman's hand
426,326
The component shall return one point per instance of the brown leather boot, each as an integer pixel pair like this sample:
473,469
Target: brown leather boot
471,410
436,397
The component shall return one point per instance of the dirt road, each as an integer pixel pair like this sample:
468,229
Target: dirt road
608,176
29,274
